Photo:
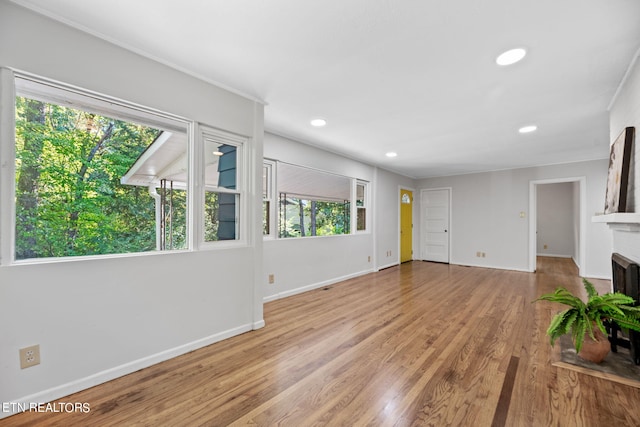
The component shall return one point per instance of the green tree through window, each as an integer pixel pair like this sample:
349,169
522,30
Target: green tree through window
303,217
69,199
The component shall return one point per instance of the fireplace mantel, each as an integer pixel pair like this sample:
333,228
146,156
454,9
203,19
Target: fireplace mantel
628,221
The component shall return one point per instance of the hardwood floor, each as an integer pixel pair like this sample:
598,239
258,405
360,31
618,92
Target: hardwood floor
418,344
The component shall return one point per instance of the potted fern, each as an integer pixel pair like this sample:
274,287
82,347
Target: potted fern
589,318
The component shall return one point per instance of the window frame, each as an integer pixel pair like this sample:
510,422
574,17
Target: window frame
123,110
353,183
208,133
365,206
269,167
57,93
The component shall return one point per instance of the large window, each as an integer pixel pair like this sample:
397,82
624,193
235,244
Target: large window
95,177
312,203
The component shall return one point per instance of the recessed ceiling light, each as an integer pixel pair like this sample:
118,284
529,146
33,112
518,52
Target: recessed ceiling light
511,56
318,122
528,129
391,154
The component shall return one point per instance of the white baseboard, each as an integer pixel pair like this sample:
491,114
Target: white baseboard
597,276
118,371
496,267
382,267
313,286
555,255
270,298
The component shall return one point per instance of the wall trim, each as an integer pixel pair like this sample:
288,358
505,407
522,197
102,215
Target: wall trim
558,256
597,276
122,370
141,52
270,298
627,73
490,266
259,324
392,264
317,285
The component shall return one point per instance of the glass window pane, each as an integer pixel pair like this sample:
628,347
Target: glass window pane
266,217
220,165
267,197
307,217
172,223
89,184
221,216
312,202
222,192
361,219
312,184
360,195
265,182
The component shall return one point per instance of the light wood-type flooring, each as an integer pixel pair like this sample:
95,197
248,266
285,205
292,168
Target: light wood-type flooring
418,344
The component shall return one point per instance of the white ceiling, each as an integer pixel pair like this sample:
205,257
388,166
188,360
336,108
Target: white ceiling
417,77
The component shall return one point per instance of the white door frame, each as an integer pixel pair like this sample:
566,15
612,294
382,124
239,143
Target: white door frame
533,219
423,228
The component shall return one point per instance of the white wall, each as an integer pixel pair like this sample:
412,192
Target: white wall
555,220
486,217
98,319
301,264
625,111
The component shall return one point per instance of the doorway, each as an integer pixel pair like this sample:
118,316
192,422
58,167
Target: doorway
406,225
577,223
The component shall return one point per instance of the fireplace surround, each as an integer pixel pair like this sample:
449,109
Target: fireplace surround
626,280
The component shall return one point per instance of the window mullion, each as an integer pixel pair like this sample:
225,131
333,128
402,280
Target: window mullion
195,205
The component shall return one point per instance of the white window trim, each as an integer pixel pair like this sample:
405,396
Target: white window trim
271,192
204,133
129,111
54,92
366,207
353,210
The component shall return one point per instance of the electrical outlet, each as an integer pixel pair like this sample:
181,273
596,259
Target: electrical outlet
483,254
369,258
545,246
29,356
478,254
272,279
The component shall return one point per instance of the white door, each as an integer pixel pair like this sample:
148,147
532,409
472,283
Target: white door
435,205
